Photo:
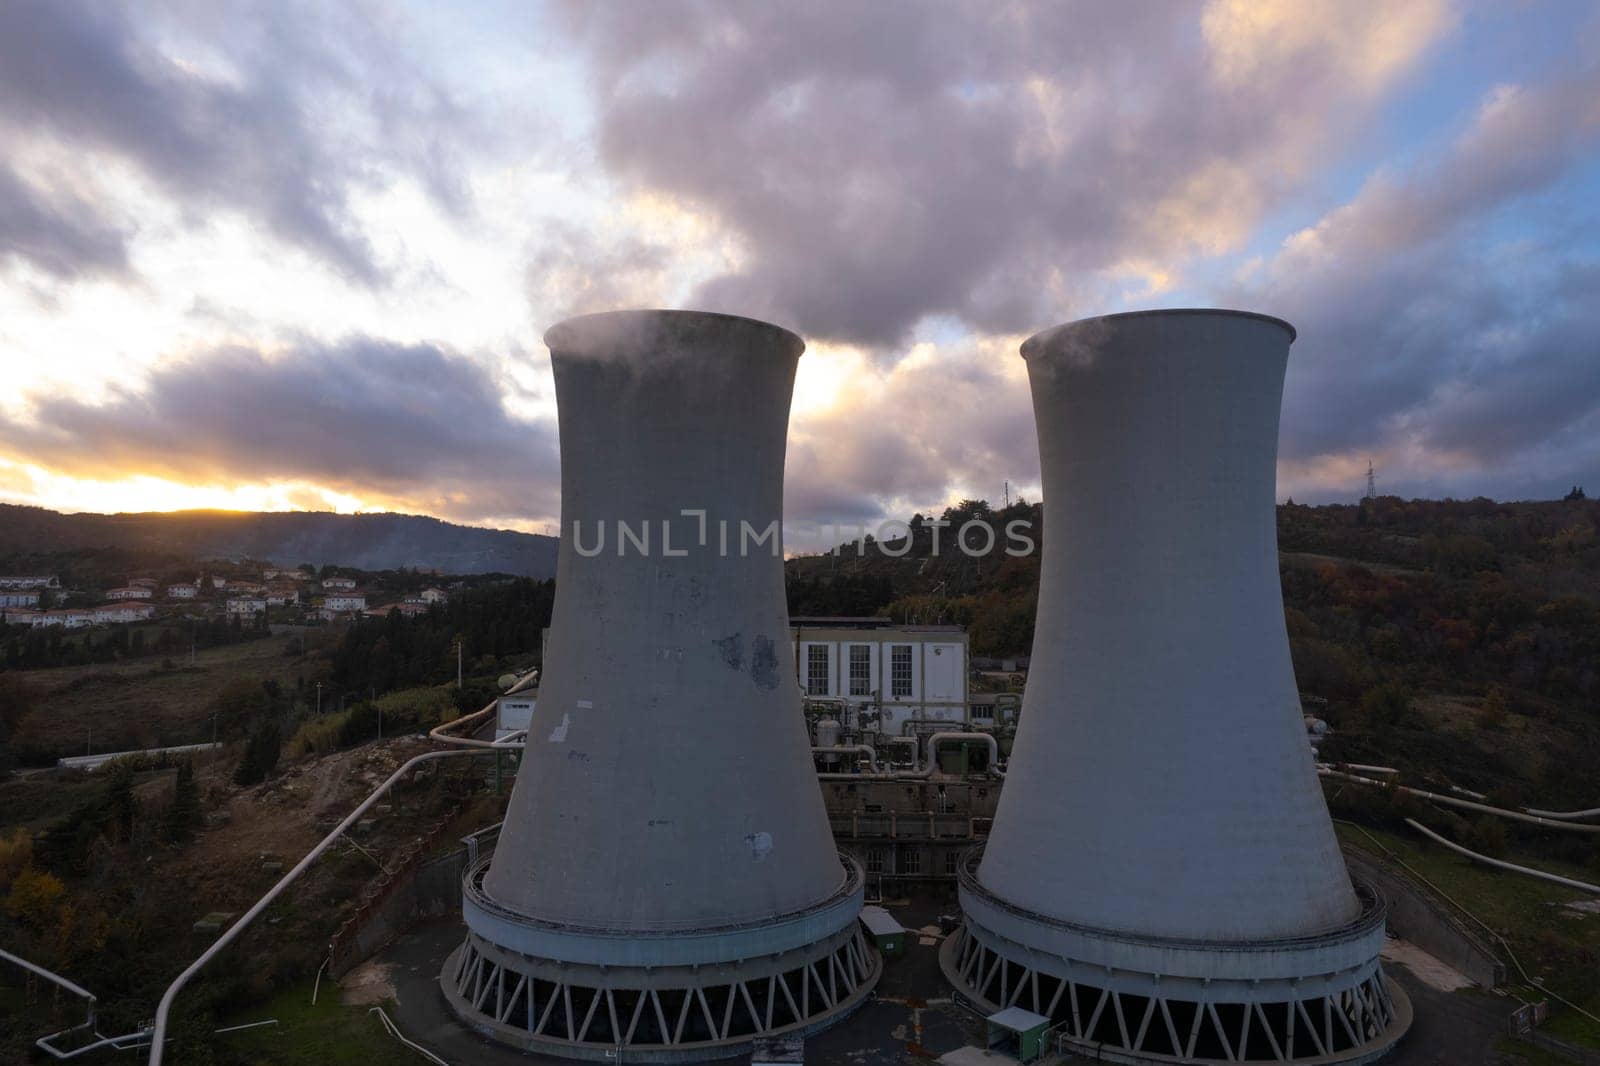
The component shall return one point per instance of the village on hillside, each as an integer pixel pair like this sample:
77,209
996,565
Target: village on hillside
251,595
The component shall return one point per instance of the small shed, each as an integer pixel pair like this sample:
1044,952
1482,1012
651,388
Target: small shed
1018,1032
888,934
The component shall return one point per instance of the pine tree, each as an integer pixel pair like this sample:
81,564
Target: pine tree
260,755
184,816
120,804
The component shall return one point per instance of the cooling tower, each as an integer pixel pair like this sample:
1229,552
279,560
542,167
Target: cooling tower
665,882
1162,879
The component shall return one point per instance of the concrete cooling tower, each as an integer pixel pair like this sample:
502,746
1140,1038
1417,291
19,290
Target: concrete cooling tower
665,885
1162,879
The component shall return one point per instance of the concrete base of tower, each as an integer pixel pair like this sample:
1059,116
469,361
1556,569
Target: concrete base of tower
1318,999
685,996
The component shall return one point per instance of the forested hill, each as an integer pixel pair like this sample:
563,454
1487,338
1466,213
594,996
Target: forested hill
1447,585
1430,633
365,541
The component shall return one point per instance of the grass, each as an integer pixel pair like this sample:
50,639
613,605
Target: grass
137,703
1524,1054
1556,946
328,1034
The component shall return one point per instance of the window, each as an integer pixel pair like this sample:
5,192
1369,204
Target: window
900,671
911,861
817,671
951,858
861,669
874,860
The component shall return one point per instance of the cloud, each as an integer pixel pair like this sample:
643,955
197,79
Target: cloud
274,111
58,234
1458,357
909,437
417,425
1000,163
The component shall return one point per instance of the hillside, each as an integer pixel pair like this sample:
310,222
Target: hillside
1441,636
366,541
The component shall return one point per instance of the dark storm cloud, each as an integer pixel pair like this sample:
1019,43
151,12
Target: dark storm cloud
886,162
264,134
414,423
58,233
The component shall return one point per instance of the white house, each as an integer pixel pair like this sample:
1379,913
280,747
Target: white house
124,612
182,591
899,672
19,598
144,582
71,618
282,596
218,583
344,601
130,592
338,583
433,595
25,581
246,605
408,609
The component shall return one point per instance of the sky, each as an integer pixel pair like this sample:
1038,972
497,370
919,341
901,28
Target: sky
276,256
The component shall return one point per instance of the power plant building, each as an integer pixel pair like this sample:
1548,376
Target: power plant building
884,675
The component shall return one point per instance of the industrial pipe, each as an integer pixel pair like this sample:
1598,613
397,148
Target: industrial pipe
845,749
1555,879
1469,805
928,767
159,1034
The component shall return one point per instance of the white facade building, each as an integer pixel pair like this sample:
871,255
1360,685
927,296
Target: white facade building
433,595
344,601
30,581
338,583
247,605
182,592
902,672
19,597
130,592
124,612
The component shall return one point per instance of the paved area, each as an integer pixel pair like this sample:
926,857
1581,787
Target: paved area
1424,967
912,1019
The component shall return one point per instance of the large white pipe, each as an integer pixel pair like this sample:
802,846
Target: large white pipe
159,1034
1527,871
1466,805
850,749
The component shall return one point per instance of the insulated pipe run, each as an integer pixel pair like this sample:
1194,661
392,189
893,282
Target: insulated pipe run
1555,879
927,768
1560,816
845,749
1469,805
159,1034
442,733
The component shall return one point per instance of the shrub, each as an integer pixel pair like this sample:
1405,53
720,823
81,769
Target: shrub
35,898
1488,837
